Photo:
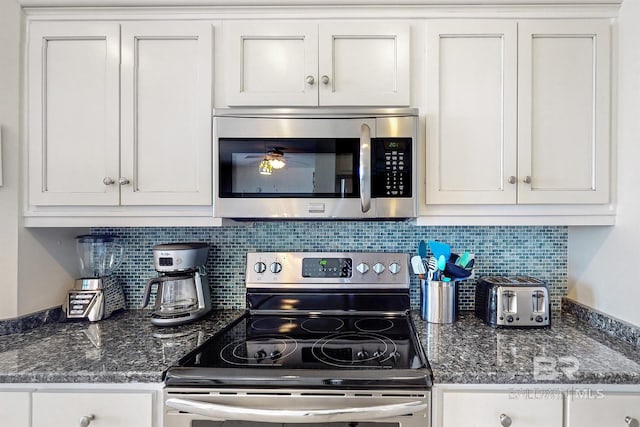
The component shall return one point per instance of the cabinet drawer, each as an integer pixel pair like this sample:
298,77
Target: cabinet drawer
61,409
603,410
14,408
484,409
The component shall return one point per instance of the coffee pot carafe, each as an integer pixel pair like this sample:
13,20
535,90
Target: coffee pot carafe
182,293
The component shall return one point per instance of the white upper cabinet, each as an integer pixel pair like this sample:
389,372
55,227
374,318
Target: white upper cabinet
518,112
563,111
120,115
471,112
282,63
73,96
166,113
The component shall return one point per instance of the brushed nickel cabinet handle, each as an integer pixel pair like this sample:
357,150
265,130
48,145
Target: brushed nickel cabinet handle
630,421
310,80
511,179
108,181
527,180
324,80
505,420
86,420
124,181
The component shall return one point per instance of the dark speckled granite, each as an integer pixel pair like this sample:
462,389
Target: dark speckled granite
123,348
31,321
127,348
570,352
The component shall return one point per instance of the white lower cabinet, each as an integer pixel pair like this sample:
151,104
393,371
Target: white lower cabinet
14,408
492,409
603,409
95,409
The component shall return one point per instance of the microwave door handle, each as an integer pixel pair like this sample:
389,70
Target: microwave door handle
365,167
238,413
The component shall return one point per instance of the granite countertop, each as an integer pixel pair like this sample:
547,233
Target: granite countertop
124,348
127,348
569,352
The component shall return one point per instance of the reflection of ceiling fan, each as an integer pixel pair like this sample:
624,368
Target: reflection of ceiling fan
272,159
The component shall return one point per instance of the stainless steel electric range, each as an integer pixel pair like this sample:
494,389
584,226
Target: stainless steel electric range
327,340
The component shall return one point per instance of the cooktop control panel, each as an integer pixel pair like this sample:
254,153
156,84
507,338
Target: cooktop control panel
332,269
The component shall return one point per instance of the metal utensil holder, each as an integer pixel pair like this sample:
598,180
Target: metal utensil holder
439,301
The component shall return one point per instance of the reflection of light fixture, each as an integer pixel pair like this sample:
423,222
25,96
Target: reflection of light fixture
276,158
265,167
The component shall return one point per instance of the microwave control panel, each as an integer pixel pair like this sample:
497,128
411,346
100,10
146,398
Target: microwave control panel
391,167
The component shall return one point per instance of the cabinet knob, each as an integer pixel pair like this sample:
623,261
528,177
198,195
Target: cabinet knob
86,420
324,80
527,180
108,181
310,80
124,181
630,421
505,420
511,179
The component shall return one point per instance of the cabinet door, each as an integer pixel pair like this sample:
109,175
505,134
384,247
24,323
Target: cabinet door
485,409
166,113
15,408
271,63
471,112
73,78
563,108
61,409
597,410
364,63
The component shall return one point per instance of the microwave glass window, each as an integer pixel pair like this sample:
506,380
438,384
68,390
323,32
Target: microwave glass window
289,167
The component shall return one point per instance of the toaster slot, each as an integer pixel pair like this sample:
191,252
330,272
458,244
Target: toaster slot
539,302
509,302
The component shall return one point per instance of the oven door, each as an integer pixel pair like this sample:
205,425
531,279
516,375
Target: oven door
263,408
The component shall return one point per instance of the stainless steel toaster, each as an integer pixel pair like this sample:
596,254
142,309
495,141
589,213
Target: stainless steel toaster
515,301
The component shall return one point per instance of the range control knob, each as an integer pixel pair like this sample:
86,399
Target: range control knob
259,267
362,355
394,268
378,267
275,355
275,267
362,268
260,355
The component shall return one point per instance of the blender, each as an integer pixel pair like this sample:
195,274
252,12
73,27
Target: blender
97,293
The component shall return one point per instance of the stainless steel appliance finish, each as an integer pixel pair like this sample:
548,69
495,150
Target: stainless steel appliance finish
183,293
98,292
327,341
176,257
340,163
517,301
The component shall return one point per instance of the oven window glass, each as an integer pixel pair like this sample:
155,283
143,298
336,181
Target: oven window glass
254,424
264,167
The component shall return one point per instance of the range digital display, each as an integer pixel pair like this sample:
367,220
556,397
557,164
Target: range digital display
327,267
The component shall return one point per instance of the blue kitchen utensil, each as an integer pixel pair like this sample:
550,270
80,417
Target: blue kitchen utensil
422,249
439,248
463,259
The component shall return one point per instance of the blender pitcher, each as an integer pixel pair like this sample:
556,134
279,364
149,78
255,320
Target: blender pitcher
100,255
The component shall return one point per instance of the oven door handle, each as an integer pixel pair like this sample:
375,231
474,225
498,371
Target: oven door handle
365,167
238,413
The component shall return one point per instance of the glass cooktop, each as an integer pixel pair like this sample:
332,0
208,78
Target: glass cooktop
307,349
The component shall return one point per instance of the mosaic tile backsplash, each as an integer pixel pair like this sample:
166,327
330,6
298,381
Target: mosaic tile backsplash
539,251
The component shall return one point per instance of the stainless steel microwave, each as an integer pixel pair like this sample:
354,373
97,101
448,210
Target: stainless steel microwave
315,163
